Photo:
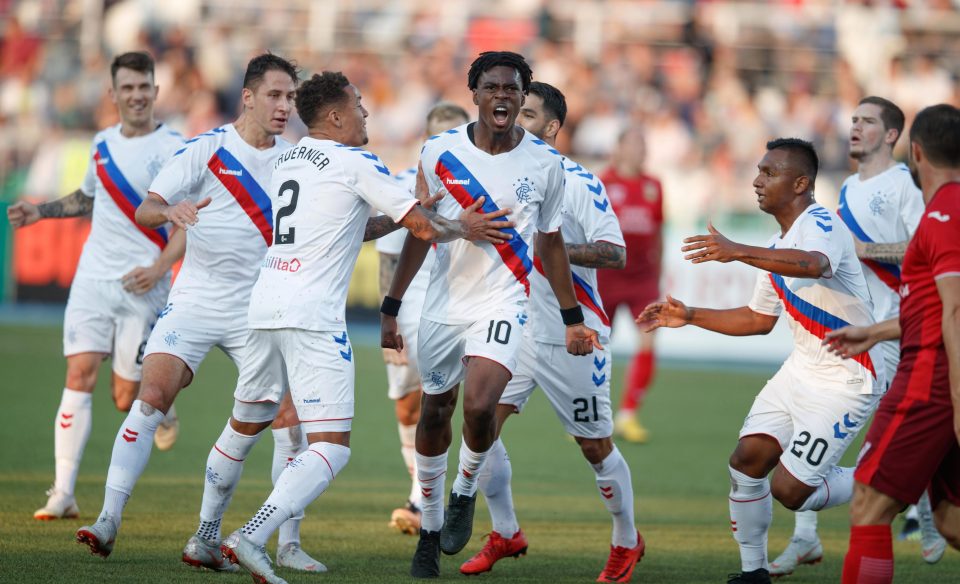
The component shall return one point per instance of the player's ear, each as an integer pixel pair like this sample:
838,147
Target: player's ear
916,152
801,184
553,128
891,136
246,96
476,100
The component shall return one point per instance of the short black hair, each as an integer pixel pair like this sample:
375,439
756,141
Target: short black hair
937,130
490,59
319,92
808,161
554,103
136,60
890,114
259,65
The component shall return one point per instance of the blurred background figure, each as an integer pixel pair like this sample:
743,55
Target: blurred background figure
637,199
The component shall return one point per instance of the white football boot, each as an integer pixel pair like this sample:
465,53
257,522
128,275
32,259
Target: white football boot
798,552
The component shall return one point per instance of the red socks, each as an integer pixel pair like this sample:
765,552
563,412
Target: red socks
638,379
870,557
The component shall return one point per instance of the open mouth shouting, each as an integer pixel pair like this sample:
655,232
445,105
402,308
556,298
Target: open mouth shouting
500,115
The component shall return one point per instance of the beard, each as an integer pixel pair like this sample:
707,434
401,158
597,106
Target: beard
915,174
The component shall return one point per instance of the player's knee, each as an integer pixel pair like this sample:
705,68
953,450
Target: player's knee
479,414
82,375
595,450
408,409
124,391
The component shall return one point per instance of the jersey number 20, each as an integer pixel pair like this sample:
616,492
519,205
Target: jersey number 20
285,238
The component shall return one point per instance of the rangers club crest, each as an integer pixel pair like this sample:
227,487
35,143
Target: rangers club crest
523,188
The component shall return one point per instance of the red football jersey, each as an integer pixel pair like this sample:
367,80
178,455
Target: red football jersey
638,203
934,252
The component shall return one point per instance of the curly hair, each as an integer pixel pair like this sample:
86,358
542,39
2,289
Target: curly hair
319,92
490,59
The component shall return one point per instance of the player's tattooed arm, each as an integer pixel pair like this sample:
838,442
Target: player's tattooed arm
472,225
599,254
891,253
793,263
24,213
73,205
377,227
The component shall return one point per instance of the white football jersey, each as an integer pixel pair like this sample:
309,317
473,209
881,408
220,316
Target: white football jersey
818,305
885,208
118,175
392,243
470,278
322,194
587,218
226,246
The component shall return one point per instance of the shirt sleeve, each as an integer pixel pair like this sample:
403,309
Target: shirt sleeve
822,234
942,239
911,206
180,175
374,183
596,215
550,216
89,185
765,299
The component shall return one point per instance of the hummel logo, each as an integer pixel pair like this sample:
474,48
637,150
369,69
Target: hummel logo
457,181
426,492
231,172
66,423
103,162
129,435
607,492
938,216
467,474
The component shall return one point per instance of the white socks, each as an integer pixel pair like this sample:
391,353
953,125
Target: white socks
836,489
303,480
431,473
288,443
805,525
616,491
468,471
751,511
408,437
131,452
71,430
224,467
494,483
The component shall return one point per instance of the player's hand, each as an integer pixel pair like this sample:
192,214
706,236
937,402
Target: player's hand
582,340
394,357
485,226
22,214
670,313
713,247
430,201
390,337
141,280
849,341
184,213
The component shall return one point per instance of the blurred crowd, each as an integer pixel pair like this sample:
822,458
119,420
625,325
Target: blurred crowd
709,81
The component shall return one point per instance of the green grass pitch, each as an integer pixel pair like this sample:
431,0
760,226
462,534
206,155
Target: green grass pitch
680,482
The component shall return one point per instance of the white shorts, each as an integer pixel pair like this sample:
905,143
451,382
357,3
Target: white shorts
102,317
405,379
578,387
316,366
444,348
188,330
814,425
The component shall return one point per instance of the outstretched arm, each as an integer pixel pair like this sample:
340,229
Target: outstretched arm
853,340
793,263
891,253
75,204
154,212
737,322
598,254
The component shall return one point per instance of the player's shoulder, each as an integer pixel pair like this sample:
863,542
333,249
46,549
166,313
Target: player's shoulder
545,155
208,141
444,140
360,159
106,134
899,176
819,220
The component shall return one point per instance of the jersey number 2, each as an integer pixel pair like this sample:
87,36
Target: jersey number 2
285,238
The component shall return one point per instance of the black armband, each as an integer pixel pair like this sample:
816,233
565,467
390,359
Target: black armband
572,316
390,306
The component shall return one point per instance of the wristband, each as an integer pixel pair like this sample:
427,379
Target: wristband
390,306
572,316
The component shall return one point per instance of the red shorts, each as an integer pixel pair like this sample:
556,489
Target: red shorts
635,292
911,444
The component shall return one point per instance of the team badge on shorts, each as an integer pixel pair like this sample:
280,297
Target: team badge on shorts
171,338
437,379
